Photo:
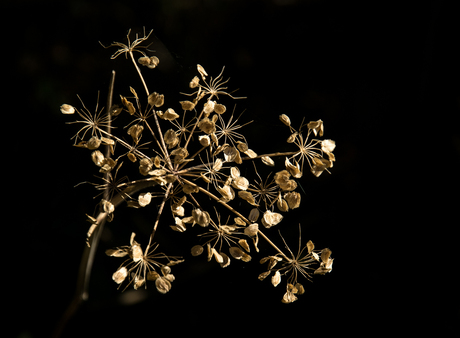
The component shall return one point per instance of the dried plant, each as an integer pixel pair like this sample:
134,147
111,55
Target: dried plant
187,160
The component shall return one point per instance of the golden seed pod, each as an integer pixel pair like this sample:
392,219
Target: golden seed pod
285,119
197,250
194,82
67,109
187,105
267,160
202,72
156,99
276,278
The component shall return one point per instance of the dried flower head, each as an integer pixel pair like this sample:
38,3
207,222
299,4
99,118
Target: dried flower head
188,158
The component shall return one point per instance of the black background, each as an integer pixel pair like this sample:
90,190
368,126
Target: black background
383,76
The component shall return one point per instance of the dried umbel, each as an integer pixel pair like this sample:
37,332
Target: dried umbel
191,160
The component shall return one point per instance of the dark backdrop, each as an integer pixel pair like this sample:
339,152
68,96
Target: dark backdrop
382,76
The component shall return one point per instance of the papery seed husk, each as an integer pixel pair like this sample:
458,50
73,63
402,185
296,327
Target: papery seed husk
242,146
293,199
187,105
292,138
282,205
170,115
239,221
285,119
154,61
204,140
132,157
234,172
152,275
254,215
194,82
244,244
251,153
107,206
93,143
97,158
264,275
144,60
289,297
67,109
247,196
116,252
226,260
217,256
163,285
267,160
144,199
240,183
236,252
197,250
202,71
276,278
310,246
120,275
209,107
219,108
246,258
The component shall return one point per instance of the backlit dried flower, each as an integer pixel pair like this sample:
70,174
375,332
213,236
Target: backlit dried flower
194,161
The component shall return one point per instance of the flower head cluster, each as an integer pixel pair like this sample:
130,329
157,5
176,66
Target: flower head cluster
140,266
187,158
296,265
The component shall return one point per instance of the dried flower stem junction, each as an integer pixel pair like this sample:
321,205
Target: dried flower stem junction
190,156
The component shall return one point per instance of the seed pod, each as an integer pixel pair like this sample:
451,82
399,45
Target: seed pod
194,82
67,109
285,119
